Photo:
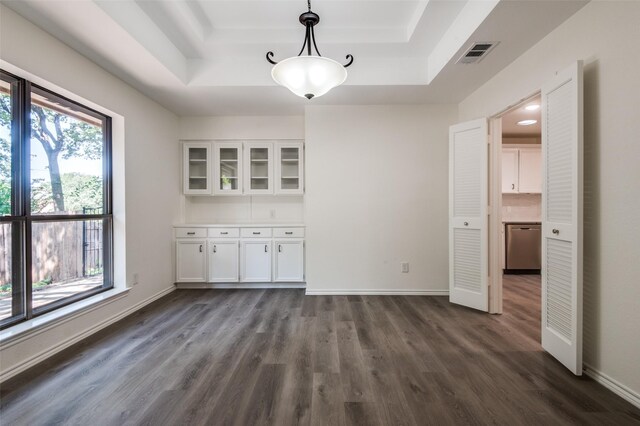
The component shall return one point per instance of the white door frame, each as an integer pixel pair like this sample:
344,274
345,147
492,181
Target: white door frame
495,203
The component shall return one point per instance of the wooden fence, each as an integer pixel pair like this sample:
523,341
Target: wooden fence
57,251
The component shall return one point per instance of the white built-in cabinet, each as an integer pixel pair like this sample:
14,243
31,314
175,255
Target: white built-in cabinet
243,168
227,171
197,168
191,265
258,175
248,254
223,260
522,170
289,168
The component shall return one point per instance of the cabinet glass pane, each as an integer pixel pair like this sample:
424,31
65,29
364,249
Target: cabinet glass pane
259,168
290,167
229,168
197,168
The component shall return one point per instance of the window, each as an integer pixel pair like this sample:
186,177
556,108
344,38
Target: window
55,201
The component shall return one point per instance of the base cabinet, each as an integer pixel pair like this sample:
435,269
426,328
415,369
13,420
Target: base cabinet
191,262
239,254
256,260
223,261
289,260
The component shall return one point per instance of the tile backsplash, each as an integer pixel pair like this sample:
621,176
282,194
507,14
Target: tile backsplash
521,207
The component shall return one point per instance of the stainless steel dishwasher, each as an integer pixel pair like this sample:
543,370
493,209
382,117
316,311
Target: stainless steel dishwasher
523,248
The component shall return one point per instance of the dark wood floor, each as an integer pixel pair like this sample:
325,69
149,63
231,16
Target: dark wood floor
251,357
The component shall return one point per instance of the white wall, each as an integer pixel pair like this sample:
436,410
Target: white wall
148,135
376,195
605,35
244,209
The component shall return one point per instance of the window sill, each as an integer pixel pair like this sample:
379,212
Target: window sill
28,329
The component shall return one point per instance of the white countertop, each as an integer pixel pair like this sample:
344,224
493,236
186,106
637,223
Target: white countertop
523,221
239,225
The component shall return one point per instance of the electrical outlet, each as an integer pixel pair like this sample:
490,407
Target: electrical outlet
405,267
135,279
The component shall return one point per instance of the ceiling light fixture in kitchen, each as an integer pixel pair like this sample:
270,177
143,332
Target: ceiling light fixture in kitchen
309,75
532,107
527,122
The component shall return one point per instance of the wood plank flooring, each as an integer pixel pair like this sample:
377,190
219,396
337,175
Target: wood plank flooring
254,357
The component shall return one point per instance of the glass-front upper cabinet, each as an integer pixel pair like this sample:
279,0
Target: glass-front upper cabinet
197,168
227,176
289,168
258,174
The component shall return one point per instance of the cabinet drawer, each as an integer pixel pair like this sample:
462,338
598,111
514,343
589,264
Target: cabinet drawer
224,232
255,232
288,232
191,232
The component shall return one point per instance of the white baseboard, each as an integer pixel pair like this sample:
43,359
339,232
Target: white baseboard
41,356
370,292
613,385
238,285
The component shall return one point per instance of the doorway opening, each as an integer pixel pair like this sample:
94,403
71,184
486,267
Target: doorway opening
517,199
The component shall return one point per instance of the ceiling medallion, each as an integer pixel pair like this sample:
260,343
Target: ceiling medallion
309,76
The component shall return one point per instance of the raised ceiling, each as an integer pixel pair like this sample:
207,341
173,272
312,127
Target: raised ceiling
203,57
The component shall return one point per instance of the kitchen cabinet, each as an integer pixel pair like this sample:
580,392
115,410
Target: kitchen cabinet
289,260
530,171
258,166
227,176
522,170
223,261
243,168
289,168
240,253
256,260
196,168
191,262
509,171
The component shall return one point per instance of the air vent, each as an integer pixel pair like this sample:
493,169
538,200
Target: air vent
477,52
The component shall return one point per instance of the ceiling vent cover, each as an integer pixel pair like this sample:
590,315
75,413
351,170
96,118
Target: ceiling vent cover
477,52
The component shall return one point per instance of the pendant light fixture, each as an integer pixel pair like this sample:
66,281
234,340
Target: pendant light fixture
309,76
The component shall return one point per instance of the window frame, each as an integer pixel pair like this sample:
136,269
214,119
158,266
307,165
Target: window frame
22,219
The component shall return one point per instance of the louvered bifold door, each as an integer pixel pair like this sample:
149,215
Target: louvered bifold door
468,180
562,218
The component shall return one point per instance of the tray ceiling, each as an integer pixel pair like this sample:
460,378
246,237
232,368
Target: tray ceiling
202,57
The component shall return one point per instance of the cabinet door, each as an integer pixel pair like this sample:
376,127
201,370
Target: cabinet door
530,178
256,261
258,168
227,178
223,261
509,170
289,168
289,260
191,265
196,168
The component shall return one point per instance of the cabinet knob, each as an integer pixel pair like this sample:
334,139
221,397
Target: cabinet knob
215,249
466,224
256,233
513,186
265,248
556,231
223,233
279,248
191,233
200,248
288,233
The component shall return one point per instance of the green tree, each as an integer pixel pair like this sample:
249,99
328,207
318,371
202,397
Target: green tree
61,136
5,156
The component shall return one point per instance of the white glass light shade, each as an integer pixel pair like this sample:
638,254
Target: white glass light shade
309,76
